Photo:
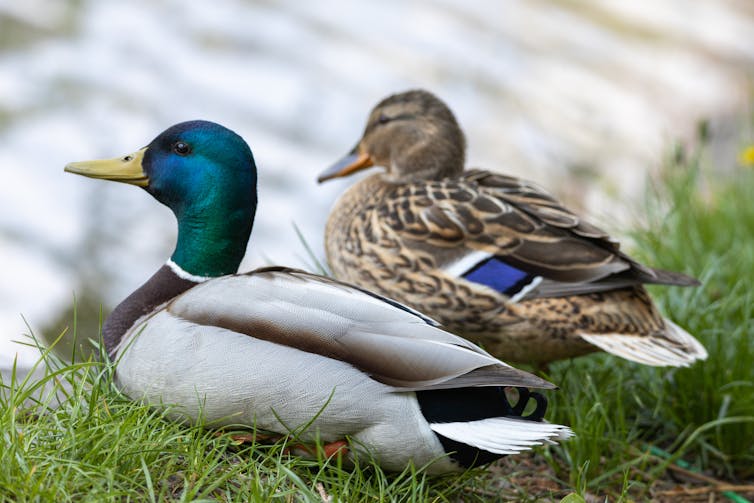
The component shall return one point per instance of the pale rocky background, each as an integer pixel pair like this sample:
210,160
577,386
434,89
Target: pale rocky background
586,98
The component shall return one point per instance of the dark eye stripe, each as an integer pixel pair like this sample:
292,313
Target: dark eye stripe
403,117
384,119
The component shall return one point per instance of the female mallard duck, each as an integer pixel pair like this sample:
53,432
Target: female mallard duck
279,348
492,257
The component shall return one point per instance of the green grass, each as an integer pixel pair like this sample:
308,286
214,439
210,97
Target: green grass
704,414
99,446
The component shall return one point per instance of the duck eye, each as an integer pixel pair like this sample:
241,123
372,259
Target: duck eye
181,148
382,119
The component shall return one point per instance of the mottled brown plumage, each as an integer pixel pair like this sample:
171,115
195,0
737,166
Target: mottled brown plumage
417,231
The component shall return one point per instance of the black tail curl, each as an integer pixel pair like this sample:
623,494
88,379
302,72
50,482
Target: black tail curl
524,395
473,404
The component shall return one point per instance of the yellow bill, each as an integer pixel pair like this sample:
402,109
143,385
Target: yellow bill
126,169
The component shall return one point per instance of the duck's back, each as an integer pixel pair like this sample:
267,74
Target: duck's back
368,243
503,263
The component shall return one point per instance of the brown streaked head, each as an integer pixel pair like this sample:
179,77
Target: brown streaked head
413,135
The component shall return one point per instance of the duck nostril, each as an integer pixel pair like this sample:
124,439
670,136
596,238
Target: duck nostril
128,158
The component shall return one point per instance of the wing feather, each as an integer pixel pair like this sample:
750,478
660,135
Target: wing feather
521,224
323,316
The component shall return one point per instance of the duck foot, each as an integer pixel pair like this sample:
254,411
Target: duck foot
250,438
339,448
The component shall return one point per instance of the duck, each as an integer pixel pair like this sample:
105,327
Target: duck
293,353
494,258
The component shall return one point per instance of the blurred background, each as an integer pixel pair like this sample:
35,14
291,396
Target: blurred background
584,97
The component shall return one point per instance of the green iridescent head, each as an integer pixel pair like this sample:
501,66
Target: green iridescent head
206,174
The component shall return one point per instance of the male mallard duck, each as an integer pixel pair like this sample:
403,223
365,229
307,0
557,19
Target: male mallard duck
493,258
277,348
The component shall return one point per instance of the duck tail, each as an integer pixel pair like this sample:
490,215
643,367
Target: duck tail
674,347
694,348
478,425
502,435
663,277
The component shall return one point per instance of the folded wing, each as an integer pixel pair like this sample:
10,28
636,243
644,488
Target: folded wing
392,343
513,236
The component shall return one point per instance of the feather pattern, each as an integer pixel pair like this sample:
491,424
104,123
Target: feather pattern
321,316
497,259
506,279
356,364
501,435
673,350
283,350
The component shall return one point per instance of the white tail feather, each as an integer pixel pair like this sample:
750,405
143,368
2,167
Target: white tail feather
502,435
677,348
695,347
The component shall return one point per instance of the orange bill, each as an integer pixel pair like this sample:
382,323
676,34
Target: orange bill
351,163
